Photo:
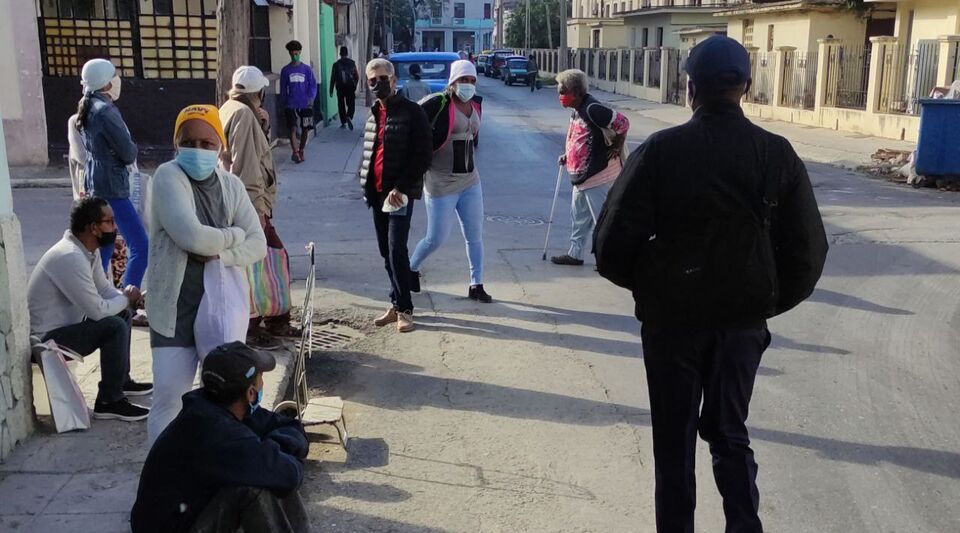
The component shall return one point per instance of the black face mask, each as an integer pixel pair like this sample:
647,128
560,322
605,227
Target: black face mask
382,89
106,239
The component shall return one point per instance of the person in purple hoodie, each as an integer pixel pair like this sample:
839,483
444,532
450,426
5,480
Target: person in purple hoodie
298,89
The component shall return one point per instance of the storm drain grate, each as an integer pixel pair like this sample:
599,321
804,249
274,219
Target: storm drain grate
516,220
327,337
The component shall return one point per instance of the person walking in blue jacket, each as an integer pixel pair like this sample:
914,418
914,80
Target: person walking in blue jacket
110,149
298,90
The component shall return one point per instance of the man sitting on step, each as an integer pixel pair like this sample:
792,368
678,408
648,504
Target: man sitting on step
225,465
73,303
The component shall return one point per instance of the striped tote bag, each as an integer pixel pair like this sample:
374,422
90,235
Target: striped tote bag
270,284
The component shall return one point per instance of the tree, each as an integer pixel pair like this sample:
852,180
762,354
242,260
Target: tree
539,25
233,42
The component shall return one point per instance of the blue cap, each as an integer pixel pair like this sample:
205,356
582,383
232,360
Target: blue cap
719,59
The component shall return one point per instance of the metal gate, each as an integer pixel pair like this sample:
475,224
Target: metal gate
676,78
923,61
166,51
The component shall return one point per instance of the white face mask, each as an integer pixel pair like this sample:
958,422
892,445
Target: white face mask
465,91
114,92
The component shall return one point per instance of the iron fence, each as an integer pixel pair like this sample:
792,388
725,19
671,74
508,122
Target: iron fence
676,78
762,71
906,76
602,59
955,54
624,65
614,64
638,56
590,62
653,80
799,79
847,76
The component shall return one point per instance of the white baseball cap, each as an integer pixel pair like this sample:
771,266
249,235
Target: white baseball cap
248,79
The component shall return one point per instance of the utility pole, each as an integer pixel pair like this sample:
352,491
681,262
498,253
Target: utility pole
233,43
562,60
546,7
526,13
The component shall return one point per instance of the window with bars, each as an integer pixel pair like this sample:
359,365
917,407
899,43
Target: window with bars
159,39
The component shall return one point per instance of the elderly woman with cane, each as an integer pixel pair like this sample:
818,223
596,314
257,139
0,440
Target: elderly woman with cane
452,184
593,157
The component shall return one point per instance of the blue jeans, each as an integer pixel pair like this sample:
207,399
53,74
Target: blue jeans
129,225
585,208
467,205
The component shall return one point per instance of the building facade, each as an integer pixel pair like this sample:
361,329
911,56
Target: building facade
800,24
457,26
642,23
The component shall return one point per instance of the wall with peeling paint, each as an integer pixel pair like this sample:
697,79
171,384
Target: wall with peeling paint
21,92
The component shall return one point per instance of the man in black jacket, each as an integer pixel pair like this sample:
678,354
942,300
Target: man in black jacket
224,463
344,78
397,150
714,227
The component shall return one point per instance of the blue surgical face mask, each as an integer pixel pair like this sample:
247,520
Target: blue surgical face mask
254,405
198,163
466,91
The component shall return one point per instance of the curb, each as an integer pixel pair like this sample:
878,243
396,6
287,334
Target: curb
41,183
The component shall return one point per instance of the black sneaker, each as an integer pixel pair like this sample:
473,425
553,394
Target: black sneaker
414,281
566,260
132,388
120,410
477,293
350,125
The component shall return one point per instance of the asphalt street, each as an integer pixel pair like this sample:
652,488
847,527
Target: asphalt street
531,413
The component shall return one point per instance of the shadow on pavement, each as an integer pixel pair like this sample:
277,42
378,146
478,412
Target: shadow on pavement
839,299
355,377
790,344
938,462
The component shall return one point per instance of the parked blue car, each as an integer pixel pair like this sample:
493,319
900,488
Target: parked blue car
434,68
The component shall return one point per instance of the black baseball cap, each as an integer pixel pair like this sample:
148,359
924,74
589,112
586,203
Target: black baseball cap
233,366
718,61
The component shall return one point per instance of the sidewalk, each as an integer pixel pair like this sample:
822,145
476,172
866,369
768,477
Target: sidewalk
87,481
819,145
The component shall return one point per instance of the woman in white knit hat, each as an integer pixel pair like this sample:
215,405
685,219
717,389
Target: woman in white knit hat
452,185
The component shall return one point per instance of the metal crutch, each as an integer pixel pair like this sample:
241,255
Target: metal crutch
556,193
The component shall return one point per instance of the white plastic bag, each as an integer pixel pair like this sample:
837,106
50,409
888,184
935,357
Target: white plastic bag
140,193
224,312
67,405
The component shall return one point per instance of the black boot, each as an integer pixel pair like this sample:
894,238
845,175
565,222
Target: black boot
477,293
414,281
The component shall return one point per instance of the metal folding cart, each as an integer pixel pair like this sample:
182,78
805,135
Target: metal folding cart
327,410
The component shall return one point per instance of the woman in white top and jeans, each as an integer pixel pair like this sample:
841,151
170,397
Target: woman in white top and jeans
452,184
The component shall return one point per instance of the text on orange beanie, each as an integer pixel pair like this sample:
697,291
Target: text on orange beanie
203,112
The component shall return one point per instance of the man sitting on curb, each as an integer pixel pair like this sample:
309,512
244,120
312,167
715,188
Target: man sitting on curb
72,302
224,464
